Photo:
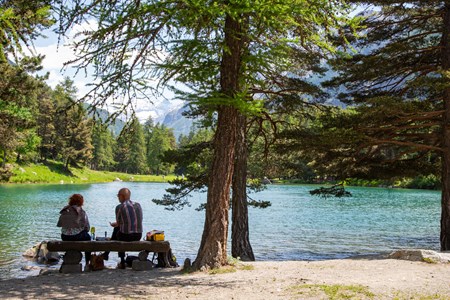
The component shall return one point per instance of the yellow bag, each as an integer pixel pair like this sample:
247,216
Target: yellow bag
155,235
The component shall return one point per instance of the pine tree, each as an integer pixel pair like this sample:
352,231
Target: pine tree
159,140
148,128
19,92
399,80
121,152
131,149
136,160
46,126
73,127
223,51
21,23
103,142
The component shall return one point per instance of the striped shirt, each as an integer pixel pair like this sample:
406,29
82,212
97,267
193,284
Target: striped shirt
129,217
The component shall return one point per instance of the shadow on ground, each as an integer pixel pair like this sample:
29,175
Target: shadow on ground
102,284
58,168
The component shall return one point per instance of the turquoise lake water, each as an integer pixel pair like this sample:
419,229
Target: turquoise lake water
296,227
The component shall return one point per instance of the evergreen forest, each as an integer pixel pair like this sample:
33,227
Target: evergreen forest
49,126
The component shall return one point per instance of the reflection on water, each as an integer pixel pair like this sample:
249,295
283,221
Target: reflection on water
296,226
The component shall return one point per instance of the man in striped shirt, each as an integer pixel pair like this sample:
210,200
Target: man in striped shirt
128,224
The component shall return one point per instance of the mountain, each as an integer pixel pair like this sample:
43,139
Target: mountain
180,124
157,110
115,126
167,112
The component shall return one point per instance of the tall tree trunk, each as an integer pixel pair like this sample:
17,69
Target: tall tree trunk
66,165
213,247
445,200
240,241
4,159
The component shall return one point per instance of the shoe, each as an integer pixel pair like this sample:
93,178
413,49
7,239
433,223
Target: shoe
105,255
87,268
121,265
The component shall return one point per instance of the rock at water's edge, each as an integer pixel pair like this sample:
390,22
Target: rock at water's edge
429,256
41,253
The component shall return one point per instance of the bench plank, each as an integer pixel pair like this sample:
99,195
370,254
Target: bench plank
119,246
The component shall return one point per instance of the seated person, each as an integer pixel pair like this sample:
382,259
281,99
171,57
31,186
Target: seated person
74,223
128,224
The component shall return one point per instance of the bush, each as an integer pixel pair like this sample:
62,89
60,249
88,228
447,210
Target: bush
429,182
6,173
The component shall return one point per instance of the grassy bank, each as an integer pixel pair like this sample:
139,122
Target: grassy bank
53,172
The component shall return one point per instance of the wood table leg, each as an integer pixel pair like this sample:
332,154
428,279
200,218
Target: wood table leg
166,260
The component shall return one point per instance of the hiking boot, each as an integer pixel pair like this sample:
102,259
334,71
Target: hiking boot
121,265
105,255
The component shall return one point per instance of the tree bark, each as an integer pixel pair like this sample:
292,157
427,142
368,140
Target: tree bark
213,247
4,159
445,199
240,240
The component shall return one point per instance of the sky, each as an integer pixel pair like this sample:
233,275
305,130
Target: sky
56,54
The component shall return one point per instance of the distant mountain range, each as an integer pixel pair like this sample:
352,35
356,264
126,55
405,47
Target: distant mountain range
168,114
179,123
100,113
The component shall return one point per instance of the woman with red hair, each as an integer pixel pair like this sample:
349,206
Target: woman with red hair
74,223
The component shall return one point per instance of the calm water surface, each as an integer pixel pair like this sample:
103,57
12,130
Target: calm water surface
296,226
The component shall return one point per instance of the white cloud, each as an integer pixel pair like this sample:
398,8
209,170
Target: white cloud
55,56
58,54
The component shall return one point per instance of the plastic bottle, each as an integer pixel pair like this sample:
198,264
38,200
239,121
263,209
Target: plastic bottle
93,233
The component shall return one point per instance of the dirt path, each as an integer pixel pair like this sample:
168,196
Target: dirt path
360,278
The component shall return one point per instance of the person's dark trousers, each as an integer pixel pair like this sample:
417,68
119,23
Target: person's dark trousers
119,236
82,236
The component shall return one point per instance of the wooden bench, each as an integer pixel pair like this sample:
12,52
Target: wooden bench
72,258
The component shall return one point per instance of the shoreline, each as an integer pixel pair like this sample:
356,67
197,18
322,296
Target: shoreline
167,180
362,278
41,173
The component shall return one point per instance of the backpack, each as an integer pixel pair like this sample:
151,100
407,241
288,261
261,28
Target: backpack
97,262
129,260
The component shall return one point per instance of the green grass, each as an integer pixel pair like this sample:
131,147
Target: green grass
246,267
334,292
429,260
53,172
238,264
234,264
417,296
222,270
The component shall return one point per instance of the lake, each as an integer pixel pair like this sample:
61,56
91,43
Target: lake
297,226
